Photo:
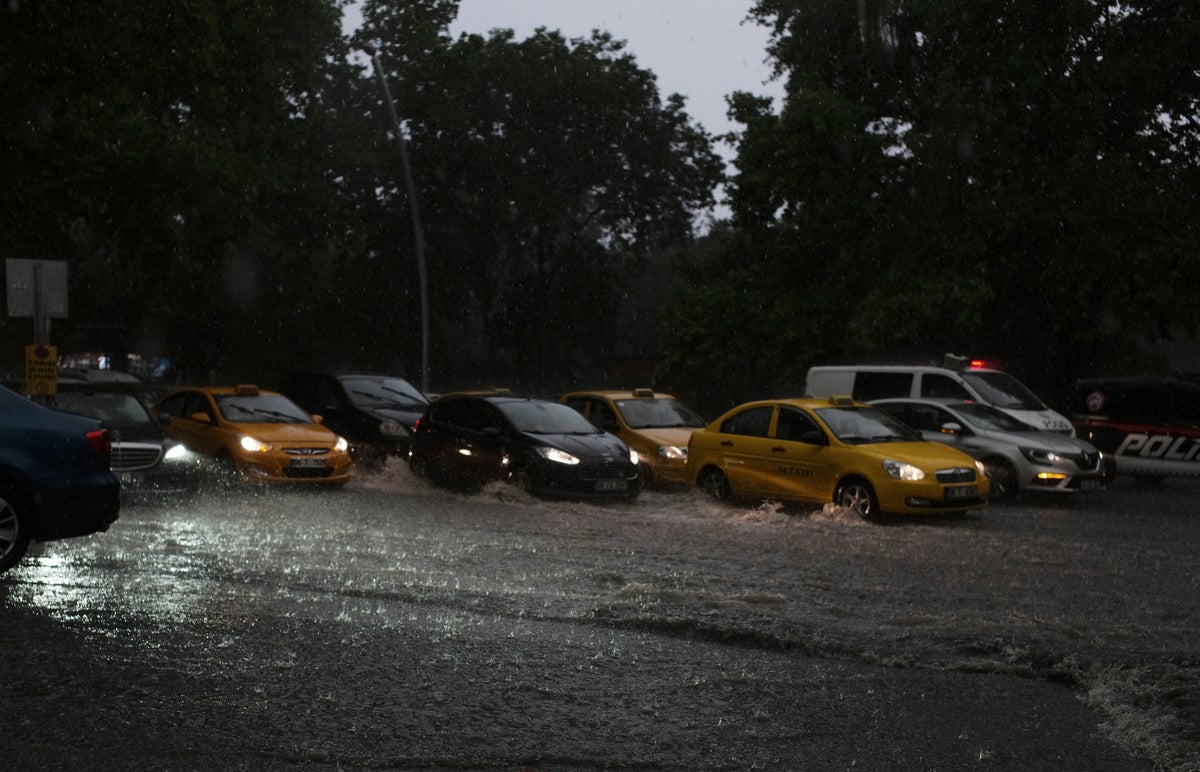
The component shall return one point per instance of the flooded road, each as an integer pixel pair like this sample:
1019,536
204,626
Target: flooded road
397,626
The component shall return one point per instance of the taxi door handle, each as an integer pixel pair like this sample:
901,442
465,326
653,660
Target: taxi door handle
726,443
778,449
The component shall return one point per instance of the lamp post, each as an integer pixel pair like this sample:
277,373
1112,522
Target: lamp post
414,210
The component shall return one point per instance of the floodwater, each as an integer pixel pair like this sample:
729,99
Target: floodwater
393,625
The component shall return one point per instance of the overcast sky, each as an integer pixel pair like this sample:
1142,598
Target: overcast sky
702,49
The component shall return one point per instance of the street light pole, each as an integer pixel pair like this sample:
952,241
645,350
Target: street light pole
414,210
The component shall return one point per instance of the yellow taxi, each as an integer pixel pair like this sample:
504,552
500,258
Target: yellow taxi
832,450
655,426
262,434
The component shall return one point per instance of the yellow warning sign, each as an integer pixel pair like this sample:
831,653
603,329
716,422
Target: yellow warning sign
41,371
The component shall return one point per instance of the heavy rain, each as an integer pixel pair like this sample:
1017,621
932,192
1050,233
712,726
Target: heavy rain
401,626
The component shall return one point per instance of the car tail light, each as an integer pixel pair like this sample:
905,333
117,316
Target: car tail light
101,442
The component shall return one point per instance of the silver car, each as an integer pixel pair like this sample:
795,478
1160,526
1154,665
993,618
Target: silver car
1016,456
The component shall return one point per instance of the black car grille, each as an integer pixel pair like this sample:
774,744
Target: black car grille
133,456
962,474
1085,461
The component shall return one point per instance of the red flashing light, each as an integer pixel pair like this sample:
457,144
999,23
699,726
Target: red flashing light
977,363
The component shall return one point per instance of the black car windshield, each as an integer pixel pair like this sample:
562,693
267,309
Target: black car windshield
988,417
261,409
542,417
657,413
117,410
386,392
862,425
1003,390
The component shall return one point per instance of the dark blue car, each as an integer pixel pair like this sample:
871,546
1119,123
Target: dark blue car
55,480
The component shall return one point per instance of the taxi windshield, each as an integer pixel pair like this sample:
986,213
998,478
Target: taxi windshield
657,414
864,425
260,409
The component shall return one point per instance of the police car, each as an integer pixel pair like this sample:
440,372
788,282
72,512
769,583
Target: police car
1149,427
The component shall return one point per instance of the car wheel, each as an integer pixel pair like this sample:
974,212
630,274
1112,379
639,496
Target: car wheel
14,529
521,479
858,496
1002,477
714,482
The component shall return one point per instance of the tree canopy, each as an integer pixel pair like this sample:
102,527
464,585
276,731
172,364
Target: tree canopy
992,177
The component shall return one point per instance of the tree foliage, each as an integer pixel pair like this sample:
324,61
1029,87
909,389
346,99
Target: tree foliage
223,179
991,177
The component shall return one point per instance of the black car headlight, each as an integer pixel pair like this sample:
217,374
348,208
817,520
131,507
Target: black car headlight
556,455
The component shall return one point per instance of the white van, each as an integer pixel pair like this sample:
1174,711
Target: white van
866,383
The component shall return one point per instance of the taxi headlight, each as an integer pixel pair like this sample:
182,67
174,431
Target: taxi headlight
633,457
341,444
672,452
981,468
1043,457
253,445
556,455
903,471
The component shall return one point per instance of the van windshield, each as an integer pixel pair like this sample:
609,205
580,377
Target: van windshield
1003,390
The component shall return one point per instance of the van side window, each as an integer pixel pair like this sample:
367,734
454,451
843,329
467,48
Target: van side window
934,386
870,386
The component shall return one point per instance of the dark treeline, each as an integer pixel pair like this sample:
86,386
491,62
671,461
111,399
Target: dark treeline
225,182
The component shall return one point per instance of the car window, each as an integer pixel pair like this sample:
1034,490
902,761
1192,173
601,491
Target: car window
261,409
116,409
938,386
543,417
384,392
862,425
926,418
870,386
657,413
752,422
988,417
792,424
1002,390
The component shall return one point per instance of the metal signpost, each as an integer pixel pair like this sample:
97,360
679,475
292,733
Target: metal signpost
38,289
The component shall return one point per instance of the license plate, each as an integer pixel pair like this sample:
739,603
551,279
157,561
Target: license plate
962,492
306,463
1089,485
610,485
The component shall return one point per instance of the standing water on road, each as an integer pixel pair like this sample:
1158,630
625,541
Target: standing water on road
400,625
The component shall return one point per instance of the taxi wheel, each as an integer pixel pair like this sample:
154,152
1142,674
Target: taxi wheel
14,529
858,496
715,484
1003,479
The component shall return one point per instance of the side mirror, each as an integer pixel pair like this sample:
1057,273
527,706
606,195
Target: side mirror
202,418
318,418
952,427
812,437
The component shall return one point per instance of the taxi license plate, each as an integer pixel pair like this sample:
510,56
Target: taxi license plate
962,492
610,485
306,463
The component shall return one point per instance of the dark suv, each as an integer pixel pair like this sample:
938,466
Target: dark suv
375,413
549,449
1149,427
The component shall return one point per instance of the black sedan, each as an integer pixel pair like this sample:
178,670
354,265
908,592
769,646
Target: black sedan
55,480
548,449
375,413
148,462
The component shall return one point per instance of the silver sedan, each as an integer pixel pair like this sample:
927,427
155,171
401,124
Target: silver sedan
1016,457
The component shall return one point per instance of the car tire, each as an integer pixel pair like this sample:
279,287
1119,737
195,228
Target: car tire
521,479
858,496
714,482
1002,478
15,528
